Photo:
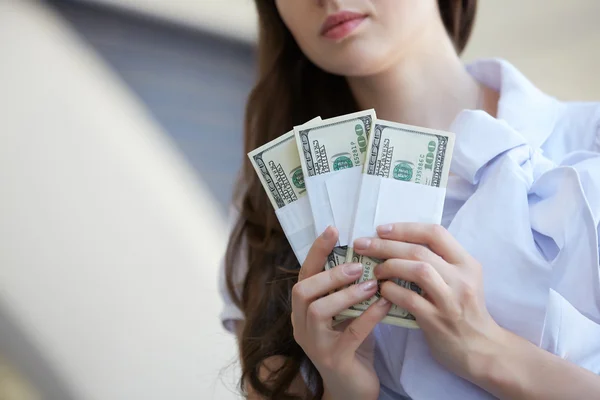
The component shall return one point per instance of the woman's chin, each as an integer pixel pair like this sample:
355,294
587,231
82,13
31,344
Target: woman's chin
358,69
353,63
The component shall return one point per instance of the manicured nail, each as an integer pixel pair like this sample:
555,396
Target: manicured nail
382,302
327,233
384,229
353,269
362,243
368,285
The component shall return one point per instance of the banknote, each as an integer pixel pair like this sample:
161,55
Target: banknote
410,154
278,167
325,148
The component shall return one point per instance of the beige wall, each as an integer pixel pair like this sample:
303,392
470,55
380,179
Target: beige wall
556,43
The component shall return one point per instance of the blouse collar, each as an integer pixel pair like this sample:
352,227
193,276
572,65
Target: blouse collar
522,105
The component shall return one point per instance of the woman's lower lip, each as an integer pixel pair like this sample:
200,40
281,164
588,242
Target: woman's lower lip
344,29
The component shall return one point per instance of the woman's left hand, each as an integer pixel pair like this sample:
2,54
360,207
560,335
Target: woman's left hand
452,313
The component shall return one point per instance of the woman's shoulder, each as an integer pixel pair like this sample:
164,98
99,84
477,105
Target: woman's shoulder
558,127
576,128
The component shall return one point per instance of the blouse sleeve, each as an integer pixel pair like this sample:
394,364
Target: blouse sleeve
230,312
577,129
570,334
572,324
596,146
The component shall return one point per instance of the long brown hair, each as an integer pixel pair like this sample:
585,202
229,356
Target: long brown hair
290,90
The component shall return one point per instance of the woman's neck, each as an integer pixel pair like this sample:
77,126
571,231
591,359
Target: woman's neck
426,86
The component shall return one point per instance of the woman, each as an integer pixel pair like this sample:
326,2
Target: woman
512,275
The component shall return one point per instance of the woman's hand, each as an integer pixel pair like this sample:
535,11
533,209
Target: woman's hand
347,371
452,314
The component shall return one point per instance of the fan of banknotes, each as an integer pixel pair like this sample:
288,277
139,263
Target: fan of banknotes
354,172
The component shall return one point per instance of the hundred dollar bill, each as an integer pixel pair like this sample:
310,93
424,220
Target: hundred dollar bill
411,154
278,167
326,147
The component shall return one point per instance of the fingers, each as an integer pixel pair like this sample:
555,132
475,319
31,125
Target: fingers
408,300
358,330
324,309
313,265
324,282
421,273
435,236
317,255
311,288
386,249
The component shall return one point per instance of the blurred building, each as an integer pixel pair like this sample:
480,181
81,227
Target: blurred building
193,81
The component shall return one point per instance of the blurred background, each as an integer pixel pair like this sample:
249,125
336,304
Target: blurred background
120,139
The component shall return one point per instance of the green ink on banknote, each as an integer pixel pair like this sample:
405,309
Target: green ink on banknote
403,171
342,162
298,178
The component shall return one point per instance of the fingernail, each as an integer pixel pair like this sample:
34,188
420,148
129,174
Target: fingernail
383,229
382,302
368,285
327,233
362,244
353,269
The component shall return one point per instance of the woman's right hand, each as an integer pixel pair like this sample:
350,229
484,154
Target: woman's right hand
336,352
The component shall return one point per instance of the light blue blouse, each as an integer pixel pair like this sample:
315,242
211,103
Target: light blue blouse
524,201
